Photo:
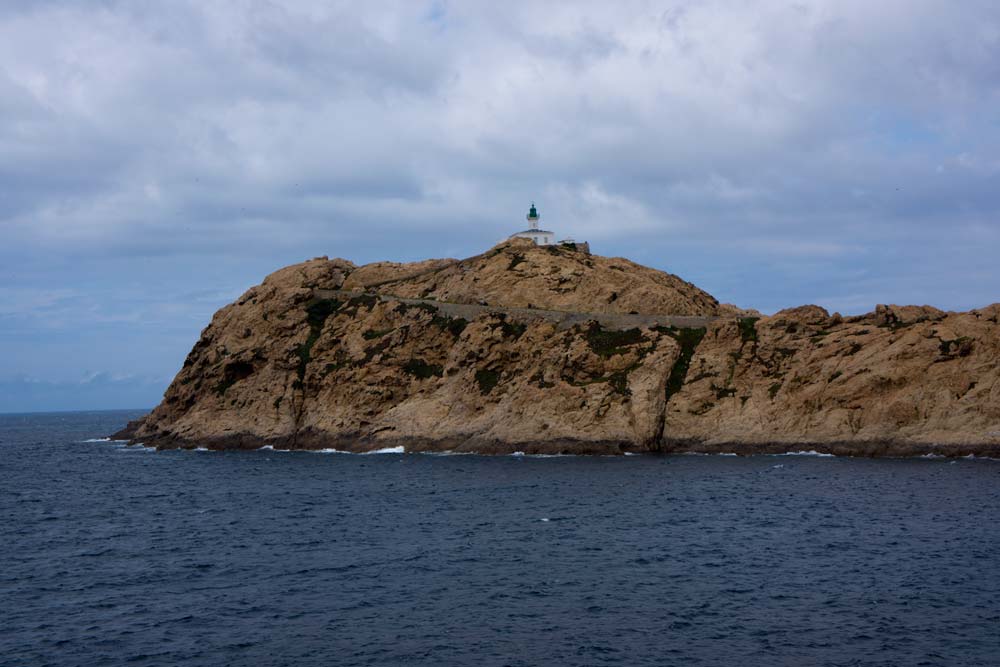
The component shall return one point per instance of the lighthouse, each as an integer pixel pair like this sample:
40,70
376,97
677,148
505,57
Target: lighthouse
532,216
539,236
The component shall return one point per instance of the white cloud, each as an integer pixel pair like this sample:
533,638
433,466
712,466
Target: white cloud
724,139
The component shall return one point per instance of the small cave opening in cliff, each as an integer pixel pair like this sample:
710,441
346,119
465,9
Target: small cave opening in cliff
233,373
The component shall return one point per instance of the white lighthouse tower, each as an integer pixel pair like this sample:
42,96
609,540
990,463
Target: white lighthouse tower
539,236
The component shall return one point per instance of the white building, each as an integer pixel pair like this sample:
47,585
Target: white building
544,236
539,236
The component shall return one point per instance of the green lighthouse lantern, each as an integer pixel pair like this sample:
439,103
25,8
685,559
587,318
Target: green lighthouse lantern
533,216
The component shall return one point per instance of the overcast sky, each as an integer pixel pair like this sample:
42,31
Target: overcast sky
159,158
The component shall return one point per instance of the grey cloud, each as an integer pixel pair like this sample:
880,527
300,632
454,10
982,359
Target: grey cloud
776,153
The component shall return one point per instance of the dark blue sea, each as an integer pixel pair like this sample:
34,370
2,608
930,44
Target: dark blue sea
112,555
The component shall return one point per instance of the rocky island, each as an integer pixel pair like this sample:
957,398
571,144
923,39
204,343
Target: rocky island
550,349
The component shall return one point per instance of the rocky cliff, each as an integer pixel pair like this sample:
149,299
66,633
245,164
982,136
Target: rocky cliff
326,354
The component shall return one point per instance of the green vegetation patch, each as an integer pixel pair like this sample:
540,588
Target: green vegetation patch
608,343
372,334
426,307
510,329
487,380
688,339
748,328
304,353
962,346
703,375
454,325
619,382
421,369
723,392
895,324
317,310
368,301
853,349
514,329
371,352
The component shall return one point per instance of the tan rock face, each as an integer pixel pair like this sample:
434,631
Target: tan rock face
287,367
912,377
520,274
377,273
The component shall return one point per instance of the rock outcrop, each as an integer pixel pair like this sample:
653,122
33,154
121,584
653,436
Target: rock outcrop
519,274
326,354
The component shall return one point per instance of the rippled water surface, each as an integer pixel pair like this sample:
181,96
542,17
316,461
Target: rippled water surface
112,555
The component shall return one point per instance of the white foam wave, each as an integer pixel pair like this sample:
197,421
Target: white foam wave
933,456
331,450
522,455
811,452
101,440
137,447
